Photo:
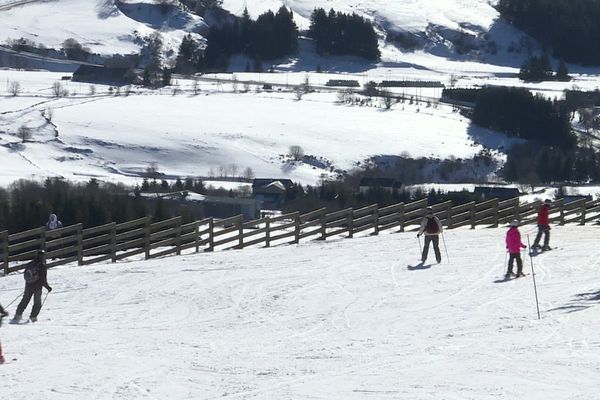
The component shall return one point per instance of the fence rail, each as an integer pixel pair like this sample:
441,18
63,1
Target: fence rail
158,239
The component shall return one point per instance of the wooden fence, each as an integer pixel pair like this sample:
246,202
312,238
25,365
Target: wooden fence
157,239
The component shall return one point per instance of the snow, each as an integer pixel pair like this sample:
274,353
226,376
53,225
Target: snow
100,25
111,137
345,319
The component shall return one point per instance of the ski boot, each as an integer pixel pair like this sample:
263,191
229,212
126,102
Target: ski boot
16,319
33,319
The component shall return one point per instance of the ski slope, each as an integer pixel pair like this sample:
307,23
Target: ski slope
343,319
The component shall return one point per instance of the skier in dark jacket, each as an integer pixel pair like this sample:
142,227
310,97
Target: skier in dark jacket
3,314
543,223
35,279
431,226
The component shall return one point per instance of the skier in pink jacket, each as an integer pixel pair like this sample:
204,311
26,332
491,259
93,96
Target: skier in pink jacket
514,246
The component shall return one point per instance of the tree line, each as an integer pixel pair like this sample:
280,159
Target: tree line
275,35
569,27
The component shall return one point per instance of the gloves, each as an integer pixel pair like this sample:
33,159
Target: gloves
4,314
49,289
418,235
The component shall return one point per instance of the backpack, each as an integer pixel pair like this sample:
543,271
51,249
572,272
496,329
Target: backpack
32,273
432,226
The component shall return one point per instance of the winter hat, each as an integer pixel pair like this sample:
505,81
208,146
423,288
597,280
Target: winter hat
429,210
547,201
514,222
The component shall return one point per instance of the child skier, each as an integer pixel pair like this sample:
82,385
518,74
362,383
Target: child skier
543,221
3,314
514,246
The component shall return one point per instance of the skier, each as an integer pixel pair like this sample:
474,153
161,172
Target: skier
432,227
53,222
543,222
3,314
514,246
35,279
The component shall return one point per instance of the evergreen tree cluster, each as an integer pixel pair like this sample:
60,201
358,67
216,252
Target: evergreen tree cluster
271,36
518,113
190,58
539,69
336,33
569,27
530,164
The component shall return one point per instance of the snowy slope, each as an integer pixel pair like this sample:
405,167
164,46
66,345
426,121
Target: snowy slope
104,26
347,319
114,137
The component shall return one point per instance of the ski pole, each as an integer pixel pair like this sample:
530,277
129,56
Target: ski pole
15,299
45,297
537,304
445,248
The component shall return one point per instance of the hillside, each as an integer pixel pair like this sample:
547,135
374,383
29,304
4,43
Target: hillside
343,319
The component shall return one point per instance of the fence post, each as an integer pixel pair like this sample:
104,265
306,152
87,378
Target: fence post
241,233
517,210
211,235
113,242
178,236
323,226
472,211
4,249
197,236
496,208
449,215
350,221
561,208
79,244
401,218
268,232
376,220
583,210
297,227
147,238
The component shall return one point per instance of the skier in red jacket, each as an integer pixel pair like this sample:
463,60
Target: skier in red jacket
543,223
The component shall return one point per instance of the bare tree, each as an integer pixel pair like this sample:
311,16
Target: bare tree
387,99
152,170
248,173
299,92
222,171
195,87
234,83
58,90
92,90
24,133
233,169
14,88
297,152
48,113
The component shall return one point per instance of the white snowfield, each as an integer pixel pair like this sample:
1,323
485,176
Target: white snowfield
346,319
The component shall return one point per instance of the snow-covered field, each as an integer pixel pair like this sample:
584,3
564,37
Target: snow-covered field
347,319
117,138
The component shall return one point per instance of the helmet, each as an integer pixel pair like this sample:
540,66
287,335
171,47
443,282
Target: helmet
429,210
514,222
547,201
